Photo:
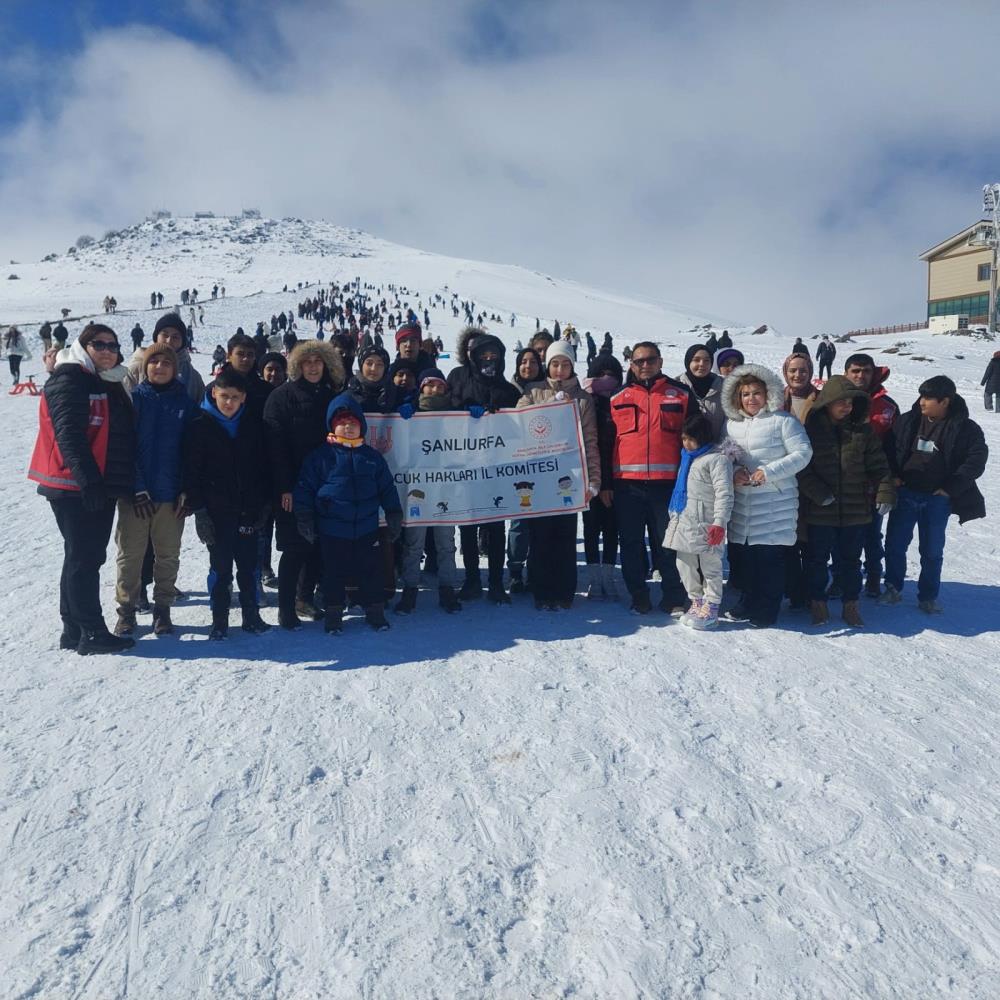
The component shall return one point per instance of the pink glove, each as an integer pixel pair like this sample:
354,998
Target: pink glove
716,534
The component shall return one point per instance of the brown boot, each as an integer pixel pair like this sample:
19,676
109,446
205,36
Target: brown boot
852,615
820,613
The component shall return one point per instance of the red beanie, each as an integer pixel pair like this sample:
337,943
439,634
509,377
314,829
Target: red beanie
408,330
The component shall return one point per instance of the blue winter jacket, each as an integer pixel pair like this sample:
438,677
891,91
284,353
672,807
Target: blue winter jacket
344,487
160,422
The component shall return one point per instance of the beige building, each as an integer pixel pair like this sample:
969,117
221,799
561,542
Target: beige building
958,277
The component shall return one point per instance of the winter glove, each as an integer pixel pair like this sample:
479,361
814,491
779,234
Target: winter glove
181,507
143,505
884,508
306,525
476,410
827,502
394,522
204,528
94,497
716,534
406,411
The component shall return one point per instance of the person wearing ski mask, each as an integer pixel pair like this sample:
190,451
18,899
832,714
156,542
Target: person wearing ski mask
478,386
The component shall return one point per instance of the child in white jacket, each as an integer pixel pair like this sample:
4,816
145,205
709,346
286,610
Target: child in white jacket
700,507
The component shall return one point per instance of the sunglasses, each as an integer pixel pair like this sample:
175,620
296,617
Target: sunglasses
104,345
645,361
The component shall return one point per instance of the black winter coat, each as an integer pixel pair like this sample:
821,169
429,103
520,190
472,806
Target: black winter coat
991,379
67,395
374,397
294,424
226,475
965,454
468,388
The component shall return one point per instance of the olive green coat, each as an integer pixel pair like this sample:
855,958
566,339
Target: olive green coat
848,462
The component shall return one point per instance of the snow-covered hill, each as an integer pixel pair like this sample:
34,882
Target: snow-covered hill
502,803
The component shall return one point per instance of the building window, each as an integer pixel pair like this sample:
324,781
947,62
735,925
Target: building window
983,272
970,305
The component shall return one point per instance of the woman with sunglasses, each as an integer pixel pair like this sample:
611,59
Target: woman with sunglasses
84,460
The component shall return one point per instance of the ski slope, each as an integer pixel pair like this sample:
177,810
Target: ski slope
502,803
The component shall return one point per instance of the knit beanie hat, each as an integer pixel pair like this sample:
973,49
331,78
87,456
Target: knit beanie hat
171,320
408,330
372,352
558,349
605,361
430,375
727,355
155,350
272,358
938,387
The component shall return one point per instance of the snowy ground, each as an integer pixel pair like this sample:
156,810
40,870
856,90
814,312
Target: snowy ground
504,804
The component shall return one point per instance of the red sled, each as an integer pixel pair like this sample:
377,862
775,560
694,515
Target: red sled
29,387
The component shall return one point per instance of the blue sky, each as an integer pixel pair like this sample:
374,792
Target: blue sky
780,163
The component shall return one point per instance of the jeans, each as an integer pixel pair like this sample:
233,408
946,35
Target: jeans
517,545
871,544
85,535
845,543
759,572
414,539
641,506
929,514
599,521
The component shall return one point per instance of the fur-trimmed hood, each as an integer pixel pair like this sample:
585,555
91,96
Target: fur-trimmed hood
326,351
775,390
468,336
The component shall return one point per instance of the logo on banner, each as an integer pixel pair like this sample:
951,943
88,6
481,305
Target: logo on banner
540,427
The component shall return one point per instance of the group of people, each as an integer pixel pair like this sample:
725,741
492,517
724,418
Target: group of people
728,463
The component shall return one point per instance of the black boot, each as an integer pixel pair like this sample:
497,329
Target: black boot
375,616
407,602
102,641
497,594
253,623
472,589
334,619
220,627
448,600
70,637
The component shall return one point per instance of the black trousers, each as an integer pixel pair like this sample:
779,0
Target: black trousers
86,535
599,521
642,508
354,559
232,545
552,557
469,535
759,572
300,565
828,365
14,360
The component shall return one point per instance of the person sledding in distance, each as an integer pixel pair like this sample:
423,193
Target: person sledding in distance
341,486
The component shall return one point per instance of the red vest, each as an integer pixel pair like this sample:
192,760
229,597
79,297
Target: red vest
48,468
648,429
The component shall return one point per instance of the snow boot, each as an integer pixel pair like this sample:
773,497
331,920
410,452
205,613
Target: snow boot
289,621
692,612
873,587
253,623
70,637
820,612
306,609
100,640
333,622
126,623
220,629
930,607
595,588
448,600
641,604
497,595
375,616
162,625
852,615
472,589
891,596
707,617
407,602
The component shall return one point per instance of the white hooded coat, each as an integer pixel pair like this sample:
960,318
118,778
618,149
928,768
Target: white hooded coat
709,501
775,442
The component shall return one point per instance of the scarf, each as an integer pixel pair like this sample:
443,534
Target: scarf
435,403
332,438
679,498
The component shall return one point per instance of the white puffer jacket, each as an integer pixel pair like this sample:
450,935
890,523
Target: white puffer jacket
709,501
775,442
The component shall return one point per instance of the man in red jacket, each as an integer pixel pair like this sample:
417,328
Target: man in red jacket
648,414
882,414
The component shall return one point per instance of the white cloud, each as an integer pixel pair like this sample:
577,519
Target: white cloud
759,161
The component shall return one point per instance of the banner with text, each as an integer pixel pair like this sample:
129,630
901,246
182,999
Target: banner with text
451,468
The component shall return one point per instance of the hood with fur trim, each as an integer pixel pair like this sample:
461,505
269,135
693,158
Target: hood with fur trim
775,390
470,333
326,351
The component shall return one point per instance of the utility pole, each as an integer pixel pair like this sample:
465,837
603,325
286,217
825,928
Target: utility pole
987,234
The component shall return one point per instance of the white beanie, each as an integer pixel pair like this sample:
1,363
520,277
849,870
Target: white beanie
558,349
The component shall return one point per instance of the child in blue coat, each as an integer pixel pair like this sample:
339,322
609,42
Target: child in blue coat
342,485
